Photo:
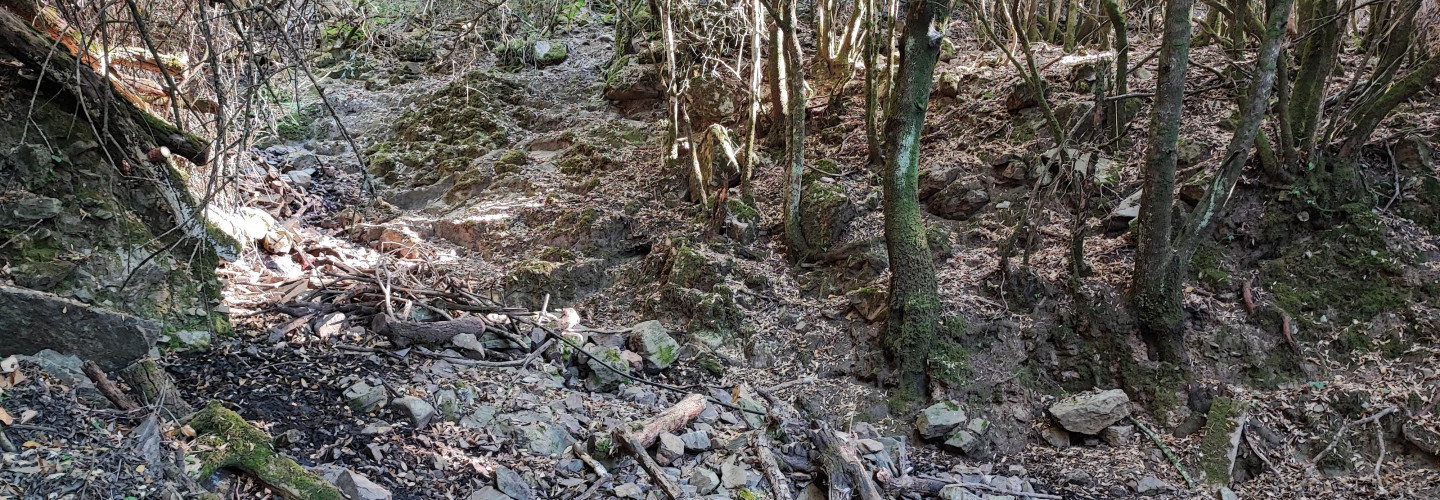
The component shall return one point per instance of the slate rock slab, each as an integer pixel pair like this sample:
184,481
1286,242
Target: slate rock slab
32,321
1091,412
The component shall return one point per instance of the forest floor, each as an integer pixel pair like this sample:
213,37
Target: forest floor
586,228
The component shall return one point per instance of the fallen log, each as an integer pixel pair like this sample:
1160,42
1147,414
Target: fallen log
672,419
156,388
848,475
436,333
778,483
657,475
131,130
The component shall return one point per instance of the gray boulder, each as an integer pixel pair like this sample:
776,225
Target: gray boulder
1117,435
939,419
417,410
705,481
1091,412
363,397
602,378
656,346
488,493
32,321
359,487
963,441
510,483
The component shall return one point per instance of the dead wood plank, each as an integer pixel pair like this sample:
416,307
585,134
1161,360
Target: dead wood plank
848,476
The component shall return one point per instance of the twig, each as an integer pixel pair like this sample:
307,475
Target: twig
788,384
1164,449
1310,466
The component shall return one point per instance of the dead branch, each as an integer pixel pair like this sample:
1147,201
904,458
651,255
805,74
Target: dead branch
1310,466
672,419
657,474
778,483
848,475
107,388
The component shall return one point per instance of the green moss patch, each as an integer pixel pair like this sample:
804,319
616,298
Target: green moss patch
1343,274
448,130
227,440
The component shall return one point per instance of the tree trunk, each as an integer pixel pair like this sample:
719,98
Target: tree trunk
1202,219
1371,115
794,163
1155,294
755,79
1317,57
914,300
875,158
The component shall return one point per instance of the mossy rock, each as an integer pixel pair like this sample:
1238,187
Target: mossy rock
563,282
1220,425
585,158
227,440
447,131
825,214
511,161
524,52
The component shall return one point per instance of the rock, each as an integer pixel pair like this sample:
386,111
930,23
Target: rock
978,426
1091,412
448,404
935,179
629,490
955,492
32,321
732,475
1125,211
696,441
671,448
871,446
1117,435
633,82
480,418
329,325
468,342
958,201
1226,493
34,207
602,378
488,493
534,431
704,480
939,419
1425,438
550,52
963,441
417,410
359,487
1149,485
190,340
510,483
1056,436
301,178
1078,477
657,347
362,397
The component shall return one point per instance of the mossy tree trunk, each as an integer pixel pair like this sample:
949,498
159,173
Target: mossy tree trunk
1372,114
793,73
1202,220
910,329
1319,50
1155,291
874,157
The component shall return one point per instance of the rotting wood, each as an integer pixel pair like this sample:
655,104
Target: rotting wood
156,388
436,333
657,475
672,419
107,388
847,474
779,485
131,130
